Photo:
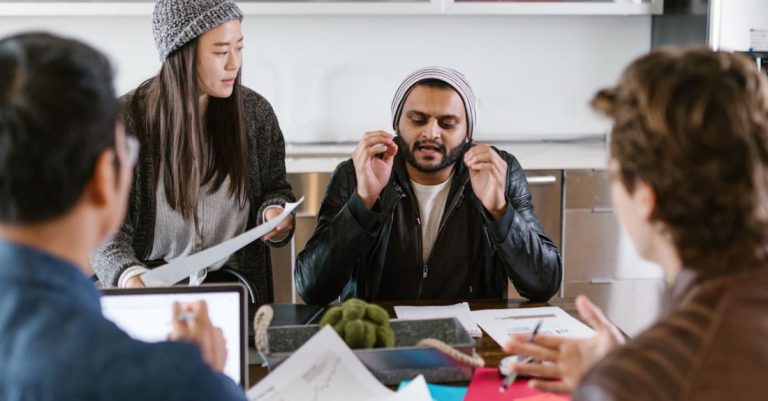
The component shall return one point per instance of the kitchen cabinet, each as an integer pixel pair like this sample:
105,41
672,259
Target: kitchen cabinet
351,7
599,259
555,7
312,187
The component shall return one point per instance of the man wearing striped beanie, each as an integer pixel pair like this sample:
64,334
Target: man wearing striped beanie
425,213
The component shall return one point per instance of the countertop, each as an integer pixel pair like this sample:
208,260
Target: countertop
313,158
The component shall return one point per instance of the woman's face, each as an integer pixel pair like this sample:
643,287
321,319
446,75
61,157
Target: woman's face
219,56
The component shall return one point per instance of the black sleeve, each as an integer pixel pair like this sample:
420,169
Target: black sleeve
530,259
345,231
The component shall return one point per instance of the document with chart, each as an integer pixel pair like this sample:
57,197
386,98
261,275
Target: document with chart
502,323
325,369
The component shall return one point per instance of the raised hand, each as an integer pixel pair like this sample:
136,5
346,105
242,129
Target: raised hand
488,176
372,171
560,363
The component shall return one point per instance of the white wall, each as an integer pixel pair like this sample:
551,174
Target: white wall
330,78
735,19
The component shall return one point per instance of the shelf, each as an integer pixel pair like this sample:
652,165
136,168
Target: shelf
432,7
249,8
340,8
44,9
554,8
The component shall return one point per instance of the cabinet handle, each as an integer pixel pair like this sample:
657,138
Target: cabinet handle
602,210
602,281
541,180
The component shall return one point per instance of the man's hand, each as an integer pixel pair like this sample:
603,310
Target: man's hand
135,282
192,324
283,228
488,176
559,363
372,172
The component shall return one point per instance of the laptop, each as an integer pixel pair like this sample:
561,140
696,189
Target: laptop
145,314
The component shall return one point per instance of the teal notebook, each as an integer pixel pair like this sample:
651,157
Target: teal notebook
443,393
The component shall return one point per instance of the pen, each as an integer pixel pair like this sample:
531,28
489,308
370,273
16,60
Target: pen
186,316
510,378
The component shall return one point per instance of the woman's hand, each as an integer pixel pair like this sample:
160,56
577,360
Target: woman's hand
282,230
560,363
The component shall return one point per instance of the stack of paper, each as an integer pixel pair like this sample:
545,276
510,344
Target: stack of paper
459,311
501,323
325,369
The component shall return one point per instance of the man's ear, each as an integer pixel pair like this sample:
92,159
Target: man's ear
645,199
101,189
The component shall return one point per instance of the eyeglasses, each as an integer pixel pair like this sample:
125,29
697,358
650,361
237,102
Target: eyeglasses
132,149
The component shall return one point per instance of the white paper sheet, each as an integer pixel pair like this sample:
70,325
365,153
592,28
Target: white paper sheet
415,390
501,323
181,268
459,311
323,369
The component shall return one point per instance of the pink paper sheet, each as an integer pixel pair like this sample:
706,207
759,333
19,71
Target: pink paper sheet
485,387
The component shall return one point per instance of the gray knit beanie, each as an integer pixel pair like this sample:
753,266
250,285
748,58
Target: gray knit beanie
450,76
176,22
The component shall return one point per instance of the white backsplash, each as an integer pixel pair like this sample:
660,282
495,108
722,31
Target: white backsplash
331,78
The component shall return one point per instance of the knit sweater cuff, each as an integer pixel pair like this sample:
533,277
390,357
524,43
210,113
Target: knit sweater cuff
130,273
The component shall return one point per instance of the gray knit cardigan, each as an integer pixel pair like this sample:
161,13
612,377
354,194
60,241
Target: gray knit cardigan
133,243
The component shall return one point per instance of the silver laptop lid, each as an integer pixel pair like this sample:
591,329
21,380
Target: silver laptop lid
145,314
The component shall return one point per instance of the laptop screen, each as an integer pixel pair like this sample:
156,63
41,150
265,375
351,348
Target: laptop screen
146,313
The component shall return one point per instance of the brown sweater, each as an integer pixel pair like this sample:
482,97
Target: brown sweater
713,345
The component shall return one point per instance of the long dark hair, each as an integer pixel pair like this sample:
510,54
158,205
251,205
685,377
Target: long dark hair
190,153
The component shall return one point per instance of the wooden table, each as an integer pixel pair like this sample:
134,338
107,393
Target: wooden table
485,345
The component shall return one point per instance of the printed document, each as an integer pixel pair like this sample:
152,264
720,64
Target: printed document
501,323
460,311
181,268
325,369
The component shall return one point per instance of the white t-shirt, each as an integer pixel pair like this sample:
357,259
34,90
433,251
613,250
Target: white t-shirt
431,200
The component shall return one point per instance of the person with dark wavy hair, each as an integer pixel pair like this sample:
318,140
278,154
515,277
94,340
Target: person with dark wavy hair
65,176
213,159
689,170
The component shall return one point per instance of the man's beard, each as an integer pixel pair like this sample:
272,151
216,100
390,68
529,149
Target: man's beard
449,159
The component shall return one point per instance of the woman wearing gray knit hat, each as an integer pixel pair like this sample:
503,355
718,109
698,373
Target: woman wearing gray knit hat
213,156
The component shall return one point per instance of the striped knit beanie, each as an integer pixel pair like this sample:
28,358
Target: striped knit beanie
176,22
451,77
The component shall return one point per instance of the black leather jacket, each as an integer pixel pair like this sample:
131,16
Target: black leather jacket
354,252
